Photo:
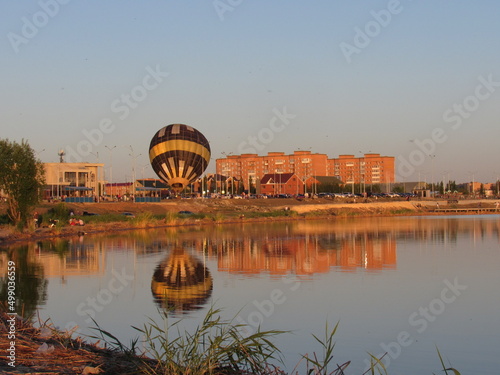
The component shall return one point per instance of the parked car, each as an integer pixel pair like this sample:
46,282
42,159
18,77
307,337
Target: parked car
185,213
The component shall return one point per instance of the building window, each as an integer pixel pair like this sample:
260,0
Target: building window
70,177
82,179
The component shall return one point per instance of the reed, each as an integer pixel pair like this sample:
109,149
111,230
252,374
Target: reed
144,220
170,218
215,347
218,347
455,371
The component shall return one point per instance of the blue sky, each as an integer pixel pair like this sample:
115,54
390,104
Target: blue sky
423,84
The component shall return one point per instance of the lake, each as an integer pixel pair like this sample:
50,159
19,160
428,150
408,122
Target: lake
401,285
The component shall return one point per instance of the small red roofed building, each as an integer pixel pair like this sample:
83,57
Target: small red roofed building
281,183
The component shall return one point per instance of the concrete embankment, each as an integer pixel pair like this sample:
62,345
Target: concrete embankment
373,207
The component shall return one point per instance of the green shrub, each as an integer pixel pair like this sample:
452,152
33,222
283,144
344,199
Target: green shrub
59,212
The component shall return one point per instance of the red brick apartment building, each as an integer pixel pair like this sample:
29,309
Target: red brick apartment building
251,168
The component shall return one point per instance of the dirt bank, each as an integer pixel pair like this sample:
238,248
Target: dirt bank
46,351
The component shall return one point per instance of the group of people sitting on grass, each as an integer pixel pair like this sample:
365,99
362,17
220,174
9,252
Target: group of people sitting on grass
73,221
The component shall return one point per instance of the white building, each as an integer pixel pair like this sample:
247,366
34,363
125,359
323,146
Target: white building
73,180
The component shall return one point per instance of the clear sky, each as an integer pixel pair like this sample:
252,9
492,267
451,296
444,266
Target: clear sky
418,80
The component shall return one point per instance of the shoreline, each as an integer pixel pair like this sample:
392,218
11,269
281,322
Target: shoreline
217,212
48,350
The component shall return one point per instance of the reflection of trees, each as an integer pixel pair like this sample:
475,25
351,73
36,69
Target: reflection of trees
61,247
31,286
181,282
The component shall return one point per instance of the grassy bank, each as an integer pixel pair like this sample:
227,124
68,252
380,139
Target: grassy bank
108,217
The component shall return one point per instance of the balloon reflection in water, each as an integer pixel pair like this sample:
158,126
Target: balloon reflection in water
181,283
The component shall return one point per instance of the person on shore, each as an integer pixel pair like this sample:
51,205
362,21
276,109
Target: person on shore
36,219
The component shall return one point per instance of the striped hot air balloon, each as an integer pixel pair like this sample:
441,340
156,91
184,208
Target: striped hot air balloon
179,154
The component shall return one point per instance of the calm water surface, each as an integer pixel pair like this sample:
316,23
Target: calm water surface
401,285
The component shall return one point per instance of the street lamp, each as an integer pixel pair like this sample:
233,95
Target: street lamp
134,158
144,166
446,186
96,156
98,193
472,187
111,165
352,179
432,173
230,171
362,173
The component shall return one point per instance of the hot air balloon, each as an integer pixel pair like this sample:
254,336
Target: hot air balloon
179,154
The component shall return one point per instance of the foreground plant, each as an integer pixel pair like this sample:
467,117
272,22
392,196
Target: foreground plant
216,346
455,371
319,366
219,347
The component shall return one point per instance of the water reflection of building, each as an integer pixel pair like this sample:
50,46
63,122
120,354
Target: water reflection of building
68,258
181,282
308,254
65,257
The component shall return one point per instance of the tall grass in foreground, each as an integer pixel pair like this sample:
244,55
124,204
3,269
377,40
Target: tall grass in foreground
215,347
320,365
219,347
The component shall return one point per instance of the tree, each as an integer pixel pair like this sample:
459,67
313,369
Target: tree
398,189
22,178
